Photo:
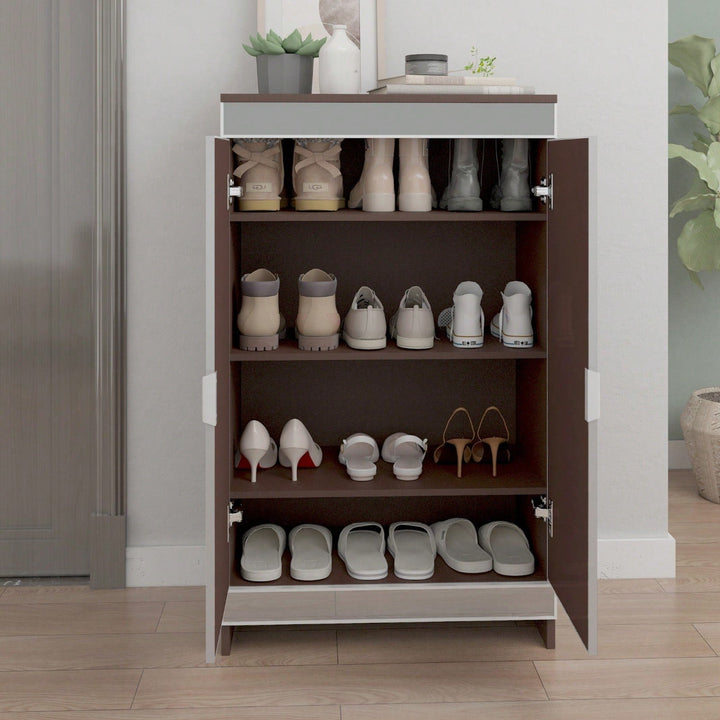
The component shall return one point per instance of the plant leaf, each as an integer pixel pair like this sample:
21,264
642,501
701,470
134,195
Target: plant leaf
710,114
699,243
693,55
312,48
702,143
251,50
698,160
713,161
714,87
698,197
293,42
716,214
684,109
695,278
272,35
256,43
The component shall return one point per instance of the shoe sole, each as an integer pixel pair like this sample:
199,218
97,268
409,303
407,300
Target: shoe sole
507,205
363,344
415,202
259,342
330,204
322,343
469,204
519,341
248,204
415,343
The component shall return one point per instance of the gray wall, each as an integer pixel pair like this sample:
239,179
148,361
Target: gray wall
694,314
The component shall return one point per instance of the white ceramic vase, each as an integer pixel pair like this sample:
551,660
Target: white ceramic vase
339,64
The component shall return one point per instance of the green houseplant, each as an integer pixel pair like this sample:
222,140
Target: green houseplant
699,240
284,65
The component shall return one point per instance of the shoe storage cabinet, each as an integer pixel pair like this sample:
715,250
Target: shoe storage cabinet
540,390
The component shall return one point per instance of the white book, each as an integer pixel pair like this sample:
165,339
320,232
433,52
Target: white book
448,80
453,90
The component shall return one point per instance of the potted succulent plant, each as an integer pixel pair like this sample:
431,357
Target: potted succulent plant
699,240
284,65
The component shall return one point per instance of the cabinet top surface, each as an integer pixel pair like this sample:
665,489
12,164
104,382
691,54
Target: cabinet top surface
385,99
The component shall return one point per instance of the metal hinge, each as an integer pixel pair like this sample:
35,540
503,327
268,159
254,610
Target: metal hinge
235,514
544,509
232,191
544,191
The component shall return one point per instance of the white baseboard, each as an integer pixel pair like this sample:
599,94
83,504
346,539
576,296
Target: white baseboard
636,557
678,458
152,566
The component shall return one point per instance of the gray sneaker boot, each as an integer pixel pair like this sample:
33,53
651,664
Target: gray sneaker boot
463,190
515,176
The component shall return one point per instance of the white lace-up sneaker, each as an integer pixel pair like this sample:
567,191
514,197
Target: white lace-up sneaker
464,322
413,325
513,324
365,326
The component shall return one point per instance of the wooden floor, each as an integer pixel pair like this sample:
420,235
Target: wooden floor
137,654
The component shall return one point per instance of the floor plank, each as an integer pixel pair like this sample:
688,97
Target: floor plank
658,609
79,652
693,580
704,555
702,511
281,646
324,712
602,679
665,709
84,593
79,618
333,685
68,690
707,532
182,617
711,633
642,585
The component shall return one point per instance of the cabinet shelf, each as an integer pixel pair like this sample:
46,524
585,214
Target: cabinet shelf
331,480
443,350
360,216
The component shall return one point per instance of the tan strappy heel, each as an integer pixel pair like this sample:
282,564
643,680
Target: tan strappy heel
443,455
494,443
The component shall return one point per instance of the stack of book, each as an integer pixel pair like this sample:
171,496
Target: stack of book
434,84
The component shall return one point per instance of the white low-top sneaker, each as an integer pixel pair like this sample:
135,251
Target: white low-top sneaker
464,322
413,325
365,327
513,324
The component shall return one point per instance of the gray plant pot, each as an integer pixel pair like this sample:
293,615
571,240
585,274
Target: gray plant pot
289,73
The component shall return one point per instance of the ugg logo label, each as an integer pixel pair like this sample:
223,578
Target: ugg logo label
260,187
315,187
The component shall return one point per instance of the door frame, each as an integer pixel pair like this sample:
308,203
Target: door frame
107,524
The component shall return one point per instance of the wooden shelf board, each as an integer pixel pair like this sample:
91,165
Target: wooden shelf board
338,576
443,350
360,216
389,98
331,480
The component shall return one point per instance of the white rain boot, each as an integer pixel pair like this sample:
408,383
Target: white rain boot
464,322
463,190
515,176
413,326
260,323
375,190
365,326
260,172
415,190
318,320
513,324
317,180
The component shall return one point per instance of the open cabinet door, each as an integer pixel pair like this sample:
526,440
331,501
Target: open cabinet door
572,546
218,338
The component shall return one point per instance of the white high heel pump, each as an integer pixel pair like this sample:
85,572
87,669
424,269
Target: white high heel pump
257,448
297,448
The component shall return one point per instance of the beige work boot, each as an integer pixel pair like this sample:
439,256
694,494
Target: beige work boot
318,321
260,323
415,191
375,190
317,179
260,171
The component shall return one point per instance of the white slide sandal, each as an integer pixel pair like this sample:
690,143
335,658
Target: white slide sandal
359,453
361,546
509,548
406,453
412,544
311,552
457,545
262,549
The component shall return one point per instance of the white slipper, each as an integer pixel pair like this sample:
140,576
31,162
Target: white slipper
262,549
359,453
412,544
311,552
457,545
509,548
361,546
406,453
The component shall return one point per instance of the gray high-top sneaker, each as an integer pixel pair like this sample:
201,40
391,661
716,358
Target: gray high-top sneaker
513,192
463,190
260,172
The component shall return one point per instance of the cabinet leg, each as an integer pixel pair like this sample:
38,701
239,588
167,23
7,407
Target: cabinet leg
226,635
546,628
